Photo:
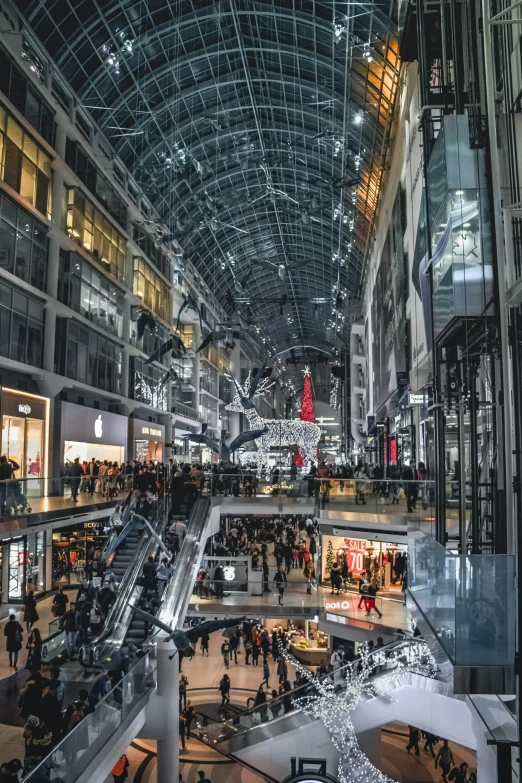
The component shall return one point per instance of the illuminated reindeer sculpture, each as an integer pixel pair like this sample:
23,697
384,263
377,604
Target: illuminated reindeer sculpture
279,432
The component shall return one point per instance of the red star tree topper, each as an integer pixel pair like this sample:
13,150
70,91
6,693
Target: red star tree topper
307,411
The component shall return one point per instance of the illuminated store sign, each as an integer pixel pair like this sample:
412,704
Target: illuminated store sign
416,398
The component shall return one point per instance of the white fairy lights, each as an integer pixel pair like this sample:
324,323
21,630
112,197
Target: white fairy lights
334,710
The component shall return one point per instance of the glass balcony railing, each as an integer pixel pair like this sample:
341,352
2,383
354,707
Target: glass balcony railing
469,601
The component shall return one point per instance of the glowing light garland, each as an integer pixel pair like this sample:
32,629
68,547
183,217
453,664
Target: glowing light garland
281,432
335,710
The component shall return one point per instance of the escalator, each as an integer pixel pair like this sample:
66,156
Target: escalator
284,713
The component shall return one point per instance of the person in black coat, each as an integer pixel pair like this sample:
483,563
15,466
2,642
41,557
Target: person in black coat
75,473
219,576
280,579
13,633
30,614
60,602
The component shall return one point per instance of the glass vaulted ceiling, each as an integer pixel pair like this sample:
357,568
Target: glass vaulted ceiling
258,130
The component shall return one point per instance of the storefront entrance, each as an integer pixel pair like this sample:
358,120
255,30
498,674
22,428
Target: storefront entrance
24,420
89,433
25,566
86,451
73,547
149,440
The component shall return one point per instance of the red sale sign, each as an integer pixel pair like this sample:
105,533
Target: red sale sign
355,551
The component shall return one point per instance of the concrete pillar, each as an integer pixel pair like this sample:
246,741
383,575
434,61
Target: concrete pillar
196,367
162,722
48,559
125,360
234,418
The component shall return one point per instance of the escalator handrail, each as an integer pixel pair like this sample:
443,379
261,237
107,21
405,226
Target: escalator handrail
128,583
113,542
297,693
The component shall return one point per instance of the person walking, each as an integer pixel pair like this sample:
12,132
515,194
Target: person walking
225,652
430,741
444,759
190,717
31,616
75,472
224,689
34,651
234,644
414,738
120,770
459,774
70,623
248,651
369,600
204,643
336,578
202,778
60,602
256,649
282,669
266,673
13,633
182,730
183,683
280,580
260,701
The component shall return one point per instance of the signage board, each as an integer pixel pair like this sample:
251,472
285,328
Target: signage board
90,425
356,549
148,430
417,398
22,405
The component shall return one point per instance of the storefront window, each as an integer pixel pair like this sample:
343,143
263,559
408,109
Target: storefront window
355,556
23,436
151,289
21,326
16,570
91,294
35,563
150,341
209,411
72,548
92,231
24,166
17,87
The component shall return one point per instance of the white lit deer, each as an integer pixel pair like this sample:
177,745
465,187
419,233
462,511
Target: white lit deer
281,432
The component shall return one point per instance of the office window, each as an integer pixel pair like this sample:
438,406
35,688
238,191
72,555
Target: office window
21,326
24,166
152,290
147,384
85,290
87,171
86,356
18,89
155,254
23,244
89,229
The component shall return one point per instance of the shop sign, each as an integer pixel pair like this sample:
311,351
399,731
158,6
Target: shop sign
356,549
21,405
416,398
146,430
229,573
88,425
336,604
90,525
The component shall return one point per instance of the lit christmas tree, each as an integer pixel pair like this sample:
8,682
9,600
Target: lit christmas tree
330,559
307,411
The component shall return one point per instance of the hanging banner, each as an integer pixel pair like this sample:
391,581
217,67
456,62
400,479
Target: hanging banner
355,551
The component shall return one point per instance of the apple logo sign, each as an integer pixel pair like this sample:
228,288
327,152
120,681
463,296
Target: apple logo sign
98,427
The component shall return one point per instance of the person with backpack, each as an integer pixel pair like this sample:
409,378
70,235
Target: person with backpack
120,770
224,689
13,633
38,743
225,652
